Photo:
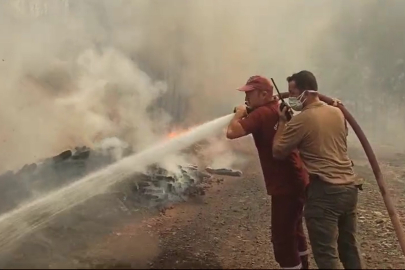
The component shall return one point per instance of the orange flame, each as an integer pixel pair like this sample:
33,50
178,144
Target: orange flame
173,134
177,132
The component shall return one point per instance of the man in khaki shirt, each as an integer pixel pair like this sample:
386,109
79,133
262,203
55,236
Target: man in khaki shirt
319,132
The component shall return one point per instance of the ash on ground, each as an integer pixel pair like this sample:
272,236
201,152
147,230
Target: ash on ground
154,188
76,229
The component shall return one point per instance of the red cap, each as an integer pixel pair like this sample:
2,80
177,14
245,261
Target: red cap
257,83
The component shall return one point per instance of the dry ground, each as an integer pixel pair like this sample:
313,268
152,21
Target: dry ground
226,228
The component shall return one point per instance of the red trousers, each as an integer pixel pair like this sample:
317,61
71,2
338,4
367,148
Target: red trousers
287,232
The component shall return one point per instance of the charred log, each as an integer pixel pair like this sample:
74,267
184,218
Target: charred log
224,171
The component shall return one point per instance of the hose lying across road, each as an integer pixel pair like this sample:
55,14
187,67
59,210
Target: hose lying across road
374,165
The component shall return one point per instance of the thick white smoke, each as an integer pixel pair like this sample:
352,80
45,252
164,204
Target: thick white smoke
64,85
77,72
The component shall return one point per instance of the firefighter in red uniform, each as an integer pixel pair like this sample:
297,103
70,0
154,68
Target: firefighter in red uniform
285,179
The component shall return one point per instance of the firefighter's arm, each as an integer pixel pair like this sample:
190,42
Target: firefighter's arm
288,137
243,124
235,129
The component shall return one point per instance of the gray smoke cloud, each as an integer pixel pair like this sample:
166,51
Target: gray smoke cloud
360,59
77,72
67,78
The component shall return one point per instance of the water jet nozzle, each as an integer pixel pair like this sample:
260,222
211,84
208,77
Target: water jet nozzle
248,109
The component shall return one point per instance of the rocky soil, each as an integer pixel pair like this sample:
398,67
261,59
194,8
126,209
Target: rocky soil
230,228
226,226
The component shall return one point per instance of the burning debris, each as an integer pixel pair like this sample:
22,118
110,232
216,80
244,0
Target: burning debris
153,188
158,186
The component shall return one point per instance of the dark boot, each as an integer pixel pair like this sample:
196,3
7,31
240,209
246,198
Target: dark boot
304,262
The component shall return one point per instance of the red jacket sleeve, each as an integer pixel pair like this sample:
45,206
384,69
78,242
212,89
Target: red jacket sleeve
255,121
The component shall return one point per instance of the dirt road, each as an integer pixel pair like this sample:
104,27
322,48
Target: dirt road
228,227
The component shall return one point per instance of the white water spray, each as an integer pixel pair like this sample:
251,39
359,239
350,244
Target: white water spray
25,219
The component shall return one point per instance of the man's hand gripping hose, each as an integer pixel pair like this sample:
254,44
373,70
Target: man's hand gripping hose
374,165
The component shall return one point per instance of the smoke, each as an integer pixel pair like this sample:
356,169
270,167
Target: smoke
112,146
77,72
362,62
65,84
224,154
212,47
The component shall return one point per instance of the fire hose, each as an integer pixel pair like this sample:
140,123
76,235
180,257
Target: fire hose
374,165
